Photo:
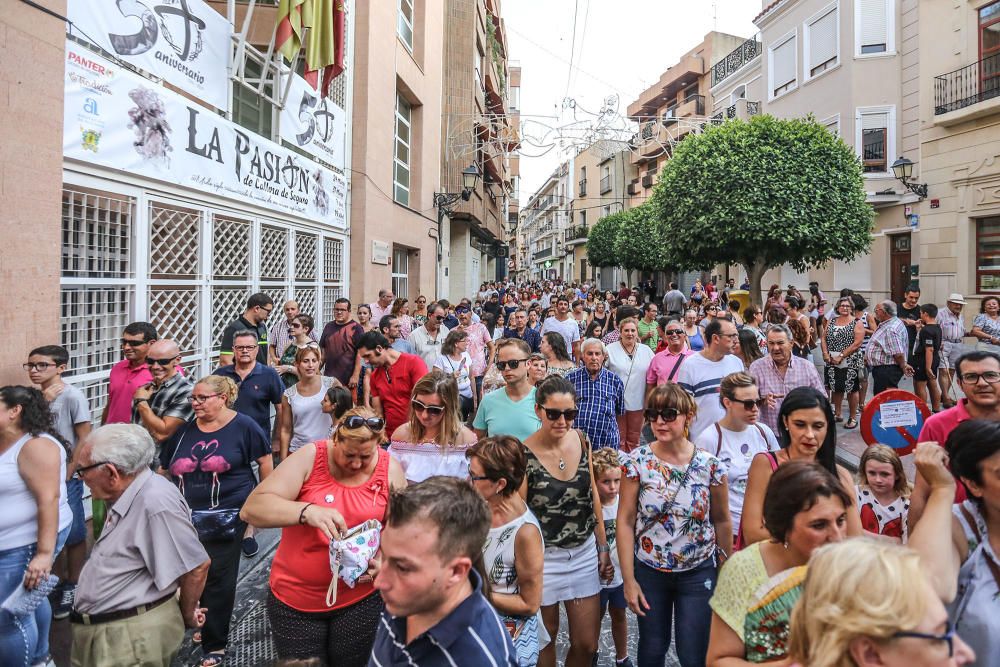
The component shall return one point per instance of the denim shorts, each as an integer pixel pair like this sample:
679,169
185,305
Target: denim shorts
613,597
78,529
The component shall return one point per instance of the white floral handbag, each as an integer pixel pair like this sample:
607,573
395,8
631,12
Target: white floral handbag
350,555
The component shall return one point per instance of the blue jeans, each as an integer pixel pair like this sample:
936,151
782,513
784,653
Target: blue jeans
680,598
24,641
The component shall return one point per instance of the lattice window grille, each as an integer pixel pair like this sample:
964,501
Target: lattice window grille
305,256
273,253
306,298
333,260
230,248
330,294
278,294
174,241
96,392
91,323
96,235
174,313
227,305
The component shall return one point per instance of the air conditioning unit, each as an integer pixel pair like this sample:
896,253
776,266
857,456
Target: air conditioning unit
633,188
647,181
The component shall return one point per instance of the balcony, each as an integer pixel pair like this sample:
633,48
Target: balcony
541,254
583,187
967,87
693,105
606,184
576,235
735,60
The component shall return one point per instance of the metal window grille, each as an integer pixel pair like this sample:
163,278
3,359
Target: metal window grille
305,256
174,313
333,260
91,322
306,298
96,235
174,241
227,304
230,248
273,253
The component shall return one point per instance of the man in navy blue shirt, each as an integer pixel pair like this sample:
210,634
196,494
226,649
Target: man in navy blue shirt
519,329
435,612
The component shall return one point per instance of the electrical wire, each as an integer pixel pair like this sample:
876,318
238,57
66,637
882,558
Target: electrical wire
572,48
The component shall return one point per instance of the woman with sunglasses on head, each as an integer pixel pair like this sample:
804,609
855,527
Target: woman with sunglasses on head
513,553
553,348
805,508
561,490
301,419
320,492
301,328
806,432
738,437
36,517
433,441
210,458
673,529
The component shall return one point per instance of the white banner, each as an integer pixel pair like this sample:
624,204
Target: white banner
120,120
317,126
184,42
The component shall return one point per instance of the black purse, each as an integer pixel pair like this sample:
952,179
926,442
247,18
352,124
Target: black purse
217,525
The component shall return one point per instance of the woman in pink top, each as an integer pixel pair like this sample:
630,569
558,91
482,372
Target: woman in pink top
317,494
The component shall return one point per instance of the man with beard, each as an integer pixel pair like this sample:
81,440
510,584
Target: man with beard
393,375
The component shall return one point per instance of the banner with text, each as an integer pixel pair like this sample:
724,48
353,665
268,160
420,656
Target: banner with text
120,120
184,42
314,124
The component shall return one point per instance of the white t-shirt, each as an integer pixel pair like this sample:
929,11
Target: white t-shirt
737,451
632,371
568,329
459,370
610,514
701,377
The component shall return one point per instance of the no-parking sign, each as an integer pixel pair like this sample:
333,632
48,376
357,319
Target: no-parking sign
894,418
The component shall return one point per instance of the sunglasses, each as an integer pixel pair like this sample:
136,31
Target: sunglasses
357,421
419,406
674,332
160,362
512,364
126,342
666,414
553,415
439,318
751,403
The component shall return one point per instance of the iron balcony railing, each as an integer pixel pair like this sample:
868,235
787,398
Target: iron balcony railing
605,184
576,232
583,187
542,254
969,85
735,60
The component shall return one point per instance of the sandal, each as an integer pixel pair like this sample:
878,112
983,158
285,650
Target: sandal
196,638
213,659
839,419
851,423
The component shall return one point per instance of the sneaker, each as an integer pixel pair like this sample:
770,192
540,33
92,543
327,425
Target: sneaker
625,662
250,547
55,595
65,604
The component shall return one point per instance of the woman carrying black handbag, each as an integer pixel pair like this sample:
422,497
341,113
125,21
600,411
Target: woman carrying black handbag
210,458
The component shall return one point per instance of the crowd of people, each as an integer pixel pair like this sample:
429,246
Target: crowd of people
450,480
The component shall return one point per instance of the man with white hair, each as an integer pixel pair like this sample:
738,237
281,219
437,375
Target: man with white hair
600,396
888,349
127,610
383,306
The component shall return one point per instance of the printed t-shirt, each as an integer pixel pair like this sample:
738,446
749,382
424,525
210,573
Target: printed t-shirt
498,415
340,349
213,469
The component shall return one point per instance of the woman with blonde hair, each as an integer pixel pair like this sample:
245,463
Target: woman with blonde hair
318,494
869,603
433,441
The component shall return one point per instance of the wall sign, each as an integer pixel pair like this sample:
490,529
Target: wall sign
120,120
184,42
313,123
380,253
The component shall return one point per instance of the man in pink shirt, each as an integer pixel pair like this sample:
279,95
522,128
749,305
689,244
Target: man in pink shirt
130,373
663,368
383,306
480,344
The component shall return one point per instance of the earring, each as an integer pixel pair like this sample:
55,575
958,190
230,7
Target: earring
786,544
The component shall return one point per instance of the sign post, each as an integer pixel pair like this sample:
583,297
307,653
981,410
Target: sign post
894,418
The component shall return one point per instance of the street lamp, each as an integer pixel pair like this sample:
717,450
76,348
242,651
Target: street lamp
902,169
443,202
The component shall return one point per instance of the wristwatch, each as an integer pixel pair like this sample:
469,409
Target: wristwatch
603,549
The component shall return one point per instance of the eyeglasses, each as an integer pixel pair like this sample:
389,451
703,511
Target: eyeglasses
245,348
732,335
357,421
439,318
198,400
341,310
160,362
674,332
666,414
552,415
37,366
266,310
991,377
750,403
948,636
78,473
130,342
512,364
476,478
419,406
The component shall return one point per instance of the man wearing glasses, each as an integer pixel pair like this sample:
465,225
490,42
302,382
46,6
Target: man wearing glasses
393,375
665,364
978,376
428,338
259,307
162,405
702,373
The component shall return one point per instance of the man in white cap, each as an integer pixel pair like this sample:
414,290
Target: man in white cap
952,332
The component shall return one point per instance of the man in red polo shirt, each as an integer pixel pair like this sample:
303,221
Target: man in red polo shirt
393,375
978,375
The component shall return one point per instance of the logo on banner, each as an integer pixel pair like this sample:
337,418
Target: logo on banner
89,139
318,121
173,13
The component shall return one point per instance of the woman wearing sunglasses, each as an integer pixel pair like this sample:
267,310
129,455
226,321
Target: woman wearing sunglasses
433,440
738,437
301,329
210,458
807,432
420,311
316,495
673,528
561,490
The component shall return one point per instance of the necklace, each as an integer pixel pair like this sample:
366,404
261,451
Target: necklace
562,464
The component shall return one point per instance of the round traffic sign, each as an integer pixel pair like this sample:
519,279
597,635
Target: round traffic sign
894,418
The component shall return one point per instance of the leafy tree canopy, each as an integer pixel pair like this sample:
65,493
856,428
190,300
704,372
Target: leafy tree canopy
637,245
601,240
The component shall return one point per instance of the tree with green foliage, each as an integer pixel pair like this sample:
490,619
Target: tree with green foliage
636,245
601,240
762,194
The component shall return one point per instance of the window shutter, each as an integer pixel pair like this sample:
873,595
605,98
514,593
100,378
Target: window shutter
874,121
783,59
874,22
823,39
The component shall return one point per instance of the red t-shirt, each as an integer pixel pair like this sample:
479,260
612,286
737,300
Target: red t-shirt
938,426
393,384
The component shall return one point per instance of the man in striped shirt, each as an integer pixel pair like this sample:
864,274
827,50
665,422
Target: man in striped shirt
888,349
435,612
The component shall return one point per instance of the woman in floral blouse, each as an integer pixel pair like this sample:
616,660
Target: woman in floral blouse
673,529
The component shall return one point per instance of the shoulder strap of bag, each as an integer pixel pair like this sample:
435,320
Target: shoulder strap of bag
981,539
762,435
718,445
667,506
673,371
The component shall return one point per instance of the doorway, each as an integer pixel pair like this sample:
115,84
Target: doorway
899,266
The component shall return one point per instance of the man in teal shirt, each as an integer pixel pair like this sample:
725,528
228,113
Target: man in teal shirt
511,409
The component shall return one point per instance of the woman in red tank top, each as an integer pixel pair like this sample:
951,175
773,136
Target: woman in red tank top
316,494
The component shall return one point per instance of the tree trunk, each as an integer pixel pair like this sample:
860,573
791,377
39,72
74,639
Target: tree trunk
755,274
